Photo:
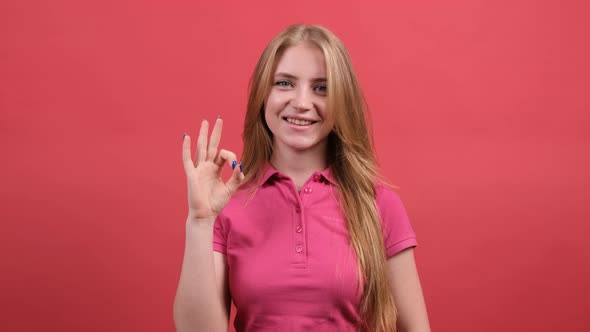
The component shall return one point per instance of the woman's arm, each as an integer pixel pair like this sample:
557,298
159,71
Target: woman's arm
407,293
202,300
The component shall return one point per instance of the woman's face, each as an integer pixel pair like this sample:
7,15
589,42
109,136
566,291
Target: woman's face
295,110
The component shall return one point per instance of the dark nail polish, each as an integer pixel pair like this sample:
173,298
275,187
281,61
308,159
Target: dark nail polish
183,136
233,164
240,166
219,116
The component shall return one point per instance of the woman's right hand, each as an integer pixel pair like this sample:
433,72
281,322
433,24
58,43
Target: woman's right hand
207,193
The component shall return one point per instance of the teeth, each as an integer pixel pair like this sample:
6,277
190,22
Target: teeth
299,122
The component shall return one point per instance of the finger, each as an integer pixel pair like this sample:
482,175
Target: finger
236,179
215,138
201,152
225,156
186,153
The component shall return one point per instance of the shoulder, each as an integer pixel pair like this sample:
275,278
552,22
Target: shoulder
386,197
389,204
397,228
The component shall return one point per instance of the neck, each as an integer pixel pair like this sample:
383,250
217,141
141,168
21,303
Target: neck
299,165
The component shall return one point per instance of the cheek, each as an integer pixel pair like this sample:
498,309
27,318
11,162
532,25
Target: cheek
329,120
323,113
271,110
274,101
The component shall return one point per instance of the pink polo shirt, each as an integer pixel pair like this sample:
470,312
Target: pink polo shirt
291,266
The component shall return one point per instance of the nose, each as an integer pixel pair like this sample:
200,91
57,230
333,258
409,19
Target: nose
302,99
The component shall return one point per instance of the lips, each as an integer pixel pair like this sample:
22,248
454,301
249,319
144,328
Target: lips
299,122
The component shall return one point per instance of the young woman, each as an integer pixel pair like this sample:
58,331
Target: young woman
304,235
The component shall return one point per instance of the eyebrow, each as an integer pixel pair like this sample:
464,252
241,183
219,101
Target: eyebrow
291,76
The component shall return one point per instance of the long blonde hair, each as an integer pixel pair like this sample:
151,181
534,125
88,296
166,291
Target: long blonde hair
350,156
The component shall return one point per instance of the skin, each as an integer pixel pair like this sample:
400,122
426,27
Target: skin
407,293
202,299
299,91
298,152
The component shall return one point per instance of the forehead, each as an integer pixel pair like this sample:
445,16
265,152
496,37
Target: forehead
303,60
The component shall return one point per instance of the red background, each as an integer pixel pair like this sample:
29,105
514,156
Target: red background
480,111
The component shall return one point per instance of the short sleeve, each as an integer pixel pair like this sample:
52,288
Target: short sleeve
398,233
220,235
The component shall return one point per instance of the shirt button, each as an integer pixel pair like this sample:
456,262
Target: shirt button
307,190
298,209
299,248
299,228
316,177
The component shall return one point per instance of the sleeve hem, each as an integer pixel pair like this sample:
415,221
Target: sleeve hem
401,245
219,248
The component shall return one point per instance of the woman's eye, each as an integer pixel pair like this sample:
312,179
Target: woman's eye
285,84
322,88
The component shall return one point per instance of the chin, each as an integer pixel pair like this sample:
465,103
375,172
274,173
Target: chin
300,145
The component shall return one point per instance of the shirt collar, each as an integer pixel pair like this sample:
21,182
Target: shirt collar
269,171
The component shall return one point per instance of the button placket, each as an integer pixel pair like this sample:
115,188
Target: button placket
299,226
298,235
298,245
308,186
299,222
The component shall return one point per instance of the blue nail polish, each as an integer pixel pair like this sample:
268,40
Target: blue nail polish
240,166
233,164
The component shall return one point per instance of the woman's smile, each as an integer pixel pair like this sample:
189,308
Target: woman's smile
296,106
299,122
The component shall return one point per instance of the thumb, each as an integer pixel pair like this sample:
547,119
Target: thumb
235,180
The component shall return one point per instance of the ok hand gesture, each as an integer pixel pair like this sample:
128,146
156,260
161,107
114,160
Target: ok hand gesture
207,193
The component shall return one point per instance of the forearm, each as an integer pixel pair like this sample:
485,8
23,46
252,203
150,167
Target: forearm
197,306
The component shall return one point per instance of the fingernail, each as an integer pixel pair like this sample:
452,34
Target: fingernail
219,116
240,166
183,136
233,164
